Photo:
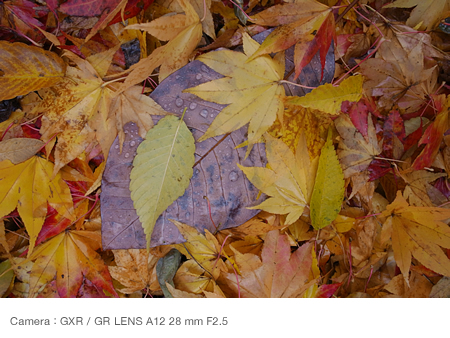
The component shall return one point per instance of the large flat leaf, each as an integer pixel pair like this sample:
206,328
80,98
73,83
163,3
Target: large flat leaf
161,170
216,176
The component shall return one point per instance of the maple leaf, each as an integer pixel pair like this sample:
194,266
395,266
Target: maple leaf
278,274
29,186
355,152
425,14
434,134
289,182
135,269
24,69
70,256
79,111
184,33
19,149
250,88
328,98
203,266
418,187
418,232
399,76
308,23
298,121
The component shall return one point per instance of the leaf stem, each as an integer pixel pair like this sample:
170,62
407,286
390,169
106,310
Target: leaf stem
296,84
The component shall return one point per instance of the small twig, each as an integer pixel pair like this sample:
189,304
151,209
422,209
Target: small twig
212,148
197,261
368,279
349,7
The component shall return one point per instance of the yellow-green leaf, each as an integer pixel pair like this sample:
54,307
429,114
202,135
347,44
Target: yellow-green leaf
26,68
328,98
328,193
161,170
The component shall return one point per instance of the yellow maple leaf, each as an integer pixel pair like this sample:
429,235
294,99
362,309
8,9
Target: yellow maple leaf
328,98
251,89
203,266
29,187
289,182
297,121
418,232
184,32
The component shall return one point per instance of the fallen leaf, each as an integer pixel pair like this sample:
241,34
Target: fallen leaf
19,149
288,182
308,23
425,13
328,98
399,76
24,69
135,270
173,55
278,274
254,96
418,232
328,192
434,134
161,170
69,257
29,186
355,152
166,268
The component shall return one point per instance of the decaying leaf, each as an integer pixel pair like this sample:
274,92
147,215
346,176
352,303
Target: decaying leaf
418,232
277,274
24,69
355,152
135,270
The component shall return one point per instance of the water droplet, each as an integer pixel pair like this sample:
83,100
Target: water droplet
233,176
177,77
179,102
192,105
198,76
204,69
127,155
197,171
132,143
204,113
165,106
126,131
116,146
212,115
188,214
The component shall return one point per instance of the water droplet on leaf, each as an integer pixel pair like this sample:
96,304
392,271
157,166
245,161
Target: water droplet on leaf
204,113
179,102
233,176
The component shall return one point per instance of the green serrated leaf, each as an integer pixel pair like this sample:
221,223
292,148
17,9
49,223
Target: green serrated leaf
161,170
328,192
166,268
